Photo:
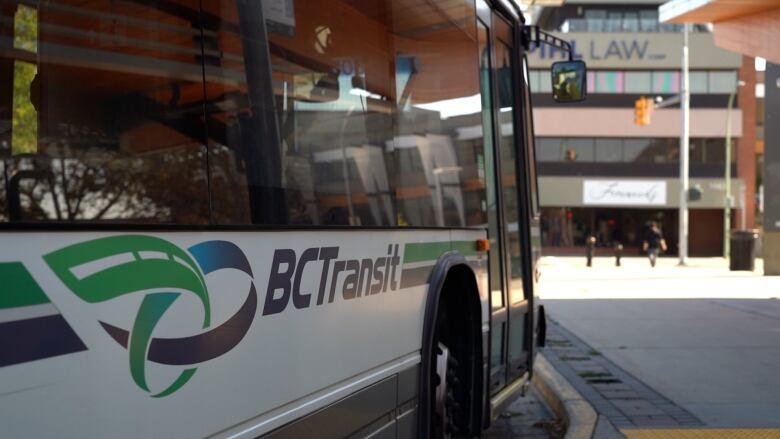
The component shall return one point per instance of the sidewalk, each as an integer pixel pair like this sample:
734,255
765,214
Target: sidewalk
704,340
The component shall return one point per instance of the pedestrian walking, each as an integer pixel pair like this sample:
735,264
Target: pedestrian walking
653,243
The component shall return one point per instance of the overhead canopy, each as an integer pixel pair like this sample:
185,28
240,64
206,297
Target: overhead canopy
712,11
750,27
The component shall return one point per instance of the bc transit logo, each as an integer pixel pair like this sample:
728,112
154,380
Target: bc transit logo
106,268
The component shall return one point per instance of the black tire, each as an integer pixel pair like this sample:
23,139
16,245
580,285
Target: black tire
448,420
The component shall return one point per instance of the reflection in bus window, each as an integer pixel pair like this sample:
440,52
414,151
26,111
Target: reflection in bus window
100,122
508,157
337,112
368,108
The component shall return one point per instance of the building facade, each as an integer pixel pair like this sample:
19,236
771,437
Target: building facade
601,174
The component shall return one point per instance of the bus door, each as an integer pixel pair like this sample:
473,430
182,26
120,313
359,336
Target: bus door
509,307
533,212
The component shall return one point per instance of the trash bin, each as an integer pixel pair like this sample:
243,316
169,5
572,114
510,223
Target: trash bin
742,255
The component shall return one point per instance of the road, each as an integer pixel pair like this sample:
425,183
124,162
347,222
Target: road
706,338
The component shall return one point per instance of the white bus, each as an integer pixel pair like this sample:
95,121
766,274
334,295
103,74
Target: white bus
276,218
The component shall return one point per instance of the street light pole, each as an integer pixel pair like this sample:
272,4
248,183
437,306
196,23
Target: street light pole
685,108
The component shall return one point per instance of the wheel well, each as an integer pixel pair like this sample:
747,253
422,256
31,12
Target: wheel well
460,328
453,317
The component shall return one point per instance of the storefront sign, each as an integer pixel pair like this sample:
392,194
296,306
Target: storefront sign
624,192
614,50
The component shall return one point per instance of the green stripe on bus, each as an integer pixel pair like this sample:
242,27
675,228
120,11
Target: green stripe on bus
467,248
18,288
430,251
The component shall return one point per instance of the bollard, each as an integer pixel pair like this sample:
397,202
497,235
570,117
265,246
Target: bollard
590,246
618,254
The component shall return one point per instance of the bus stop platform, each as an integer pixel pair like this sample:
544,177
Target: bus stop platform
667,352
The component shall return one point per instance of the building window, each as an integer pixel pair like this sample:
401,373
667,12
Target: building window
645,82
548,149
616,20
609,150
664,150
596,20
723,82
578,150
638,82
545,82
607,82
648,20
630,22
666,82
699,82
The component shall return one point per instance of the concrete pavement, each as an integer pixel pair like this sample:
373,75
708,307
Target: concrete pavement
704,337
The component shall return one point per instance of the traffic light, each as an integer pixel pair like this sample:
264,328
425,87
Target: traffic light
643,108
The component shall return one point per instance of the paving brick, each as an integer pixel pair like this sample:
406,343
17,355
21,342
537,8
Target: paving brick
611,386
631,407
658,423
620,394
619,421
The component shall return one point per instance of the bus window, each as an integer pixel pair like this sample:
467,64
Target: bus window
100,120
377,106
507,156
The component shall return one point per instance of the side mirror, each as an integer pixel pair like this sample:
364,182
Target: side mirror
569,81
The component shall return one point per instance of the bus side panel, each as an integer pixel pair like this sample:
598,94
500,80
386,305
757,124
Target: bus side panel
187,334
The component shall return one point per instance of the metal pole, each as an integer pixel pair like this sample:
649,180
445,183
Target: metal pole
727,197
685,107
743,208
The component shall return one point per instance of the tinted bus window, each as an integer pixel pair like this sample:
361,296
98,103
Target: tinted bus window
100,115
343,113
377,105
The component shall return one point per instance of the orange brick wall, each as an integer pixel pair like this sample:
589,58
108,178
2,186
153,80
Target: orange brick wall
746,144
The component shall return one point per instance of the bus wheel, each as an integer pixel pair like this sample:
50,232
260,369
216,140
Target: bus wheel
446,381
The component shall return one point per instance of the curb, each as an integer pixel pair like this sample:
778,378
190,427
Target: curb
577,413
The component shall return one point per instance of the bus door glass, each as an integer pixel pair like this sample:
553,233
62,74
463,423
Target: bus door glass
497,285
503,49
534,212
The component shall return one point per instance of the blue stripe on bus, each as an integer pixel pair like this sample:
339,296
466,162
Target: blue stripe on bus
35,339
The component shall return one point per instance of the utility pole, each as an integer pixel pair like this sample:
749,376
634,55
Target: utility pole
685,108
